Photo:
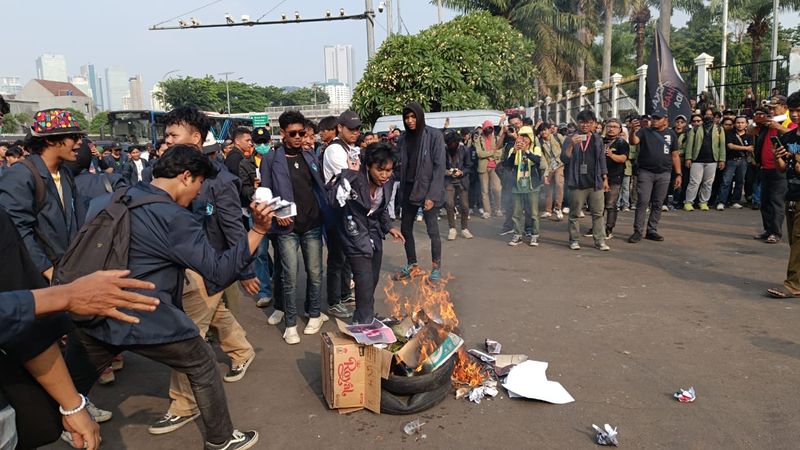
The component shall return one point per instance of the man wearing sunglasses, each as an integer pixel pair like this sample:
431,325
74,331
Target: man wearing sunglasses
296,176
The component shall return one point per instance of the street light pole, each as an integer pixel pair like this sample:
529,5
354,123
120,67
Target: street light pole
773,72
724,55
368,11
170,73
228,90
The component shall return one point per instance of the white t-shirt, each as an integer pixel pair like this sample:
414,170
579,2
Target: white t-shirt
139,168
335,160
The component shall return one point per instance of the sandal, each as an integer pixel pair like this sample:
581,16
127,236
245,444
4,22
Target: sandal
772,239
781,293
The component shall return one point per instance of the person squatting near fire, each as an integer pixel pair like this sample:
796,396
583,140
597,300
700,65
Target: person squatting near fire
360,196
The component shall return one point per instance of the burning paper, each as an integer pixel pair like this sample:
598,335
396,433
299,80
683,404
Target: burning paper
529,380
368,334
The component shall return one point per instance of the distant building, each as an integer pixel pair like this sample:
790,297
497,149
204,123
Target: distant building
82,83
10,86
136,92
340,64
117,87
339,94
155,103
51,67
57,94
88,72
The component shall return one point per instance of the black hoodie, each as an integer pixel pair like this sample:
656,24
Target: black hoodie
413,137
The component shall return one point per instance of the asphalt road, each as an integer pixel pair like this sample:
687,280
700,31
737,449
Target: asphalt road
622,331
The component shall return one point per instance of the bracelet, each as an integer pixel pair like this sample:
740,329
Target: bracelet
81,407
254,229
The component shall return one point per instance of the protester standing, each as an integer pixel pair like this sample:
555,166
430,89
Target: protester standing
705,153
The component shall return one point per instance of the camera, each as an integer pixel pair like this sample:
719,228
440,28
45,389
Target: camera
511,129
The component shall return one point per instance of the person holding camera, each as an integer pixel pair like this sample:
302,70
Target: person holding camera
489,150
786,161
456,177
773,183
527,166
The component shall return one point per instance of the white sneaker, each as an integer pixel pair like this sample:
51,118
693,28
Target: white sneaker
485,215
545,215
466,234
451,235
324,317
100,415
275,318
565,210
290,335
720,207
574,245
263,302
581,214
534,240
313,326
559,214
664,208
736,206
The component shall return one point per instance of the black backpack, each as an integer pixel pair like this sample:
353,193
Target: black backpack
102,244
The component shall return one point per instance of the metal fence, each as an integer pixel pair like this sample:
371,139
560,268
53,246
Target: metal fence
739,77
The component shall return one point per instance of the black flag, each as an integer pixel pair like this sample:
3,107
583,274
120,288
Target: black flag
666,90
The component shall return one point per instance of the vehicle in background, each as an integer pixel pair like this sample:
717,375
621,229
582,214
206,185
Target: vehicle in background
141,127
456,120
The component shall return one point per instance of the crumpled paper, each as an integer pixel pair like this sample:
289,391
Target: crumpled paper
478,393
607,436
685,396
344,192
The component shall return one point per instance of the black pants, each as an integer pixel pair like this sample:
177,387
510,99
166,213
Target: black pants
277,274
407,228
87,357
338,272
366,273
507,180
773,193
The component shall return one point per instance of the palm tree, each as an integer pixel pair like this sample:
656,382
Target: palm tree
665,18
550,24
611,9
640,17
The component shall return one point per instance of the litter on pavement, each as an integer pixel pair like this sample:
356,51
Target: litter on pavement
529,380
685,396
606,435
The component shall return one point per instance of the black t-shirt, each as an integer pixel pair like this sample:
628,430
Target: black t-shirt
580,157
706,154
791,141
655,149
308,213
616,171
734,138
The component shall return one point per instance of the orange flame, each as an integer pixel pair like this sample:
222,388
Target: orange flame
423,301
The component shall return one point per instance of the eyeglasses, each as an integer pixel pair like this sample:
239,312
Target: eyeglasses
301,133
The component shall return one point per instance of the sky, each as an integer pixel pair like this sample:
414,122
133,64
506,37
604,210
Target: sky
109,33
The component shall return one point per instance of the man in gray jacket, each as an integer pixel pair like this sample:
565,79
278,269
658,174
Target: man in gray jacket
422,166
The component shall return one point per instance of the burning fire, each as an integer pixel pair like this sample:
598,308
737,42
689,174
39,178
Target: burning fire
422,302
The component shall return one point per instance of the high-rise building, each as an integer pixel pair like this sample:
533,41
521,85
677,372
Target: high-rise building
340,64
51,67
10,86
117,87
87,72
82,83
136,92
339,94
155,103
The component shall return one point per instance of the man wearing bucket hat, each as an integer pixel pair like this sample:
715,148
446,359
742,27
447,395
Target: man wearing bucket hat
39,194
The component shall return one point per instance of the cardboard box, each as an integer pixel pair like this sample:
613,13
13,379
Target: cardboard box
352,372
445,343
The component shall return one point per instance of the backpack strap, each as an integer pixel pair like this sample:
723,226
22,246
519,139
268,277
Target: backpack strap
39,192
107,183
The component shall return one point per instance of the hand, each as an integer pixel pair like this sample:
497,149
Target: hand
502,119
262,217
678,179
48,274
609,152
251,285
285,222
257,183
353,164
397,235
547,180
780,152
428,205
721,165
102,292
84,430
606,188
635,124
750,148
688,164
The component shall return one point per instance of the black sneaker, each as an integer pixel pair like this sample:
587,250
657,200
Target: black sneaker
237,371
609,234
635,237
170,423
239,441
589,233
653,236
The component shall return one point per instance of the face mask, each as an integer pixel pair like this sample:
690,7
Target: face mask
487,131
262,149
708,120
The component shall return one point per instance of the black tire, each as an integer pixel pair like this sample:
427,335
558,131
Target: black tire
401,385
394,405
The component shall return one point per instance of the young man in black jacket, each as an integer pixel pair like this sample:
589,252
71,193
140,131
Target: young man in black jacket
457,184
423,162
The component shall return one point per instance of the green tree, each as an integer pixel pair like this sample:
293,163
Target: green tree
100,120
200,92
473,61
10,124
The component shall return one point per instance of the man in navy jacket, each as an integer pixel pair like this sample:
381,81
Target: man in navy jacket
296,176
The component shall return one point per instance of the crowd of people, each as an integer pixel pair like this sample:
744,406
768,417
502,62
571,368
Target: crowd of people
197,237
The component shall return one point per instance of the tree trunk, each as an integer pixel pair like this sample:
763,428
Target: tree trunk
665,18
607,36
754,59
640,44
581,69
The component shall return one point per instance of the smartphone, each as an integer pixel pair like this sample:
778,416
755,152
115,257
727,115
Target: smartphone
776,141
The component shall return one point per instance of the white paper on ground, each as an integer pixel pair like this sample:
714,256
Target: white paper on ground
529,379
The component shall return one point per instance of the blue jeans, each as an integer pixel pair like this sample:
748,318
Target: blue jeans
264,269
310,243
8,428
734,172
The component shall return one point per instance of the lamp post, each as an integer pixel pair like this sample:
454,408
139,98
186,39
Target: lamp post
170,73
227,90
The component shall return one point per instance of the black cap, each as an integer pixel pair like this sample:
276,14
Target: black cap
777,100
659,113
261,135
644,117
349,119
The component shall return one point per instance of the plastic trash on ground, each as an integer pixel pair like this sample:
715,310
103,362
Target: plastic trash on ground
606,435
685,396
478,393
529,380
493,347
481,355
413,427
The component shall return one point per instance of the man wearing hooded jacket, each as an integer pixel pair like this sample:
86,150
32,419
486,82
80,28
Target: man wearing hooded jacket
422,155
